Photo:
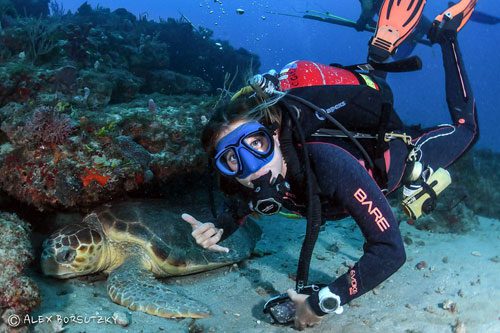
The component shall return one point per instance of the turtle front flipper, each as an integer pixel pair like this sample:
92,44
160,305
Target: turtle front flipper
135,287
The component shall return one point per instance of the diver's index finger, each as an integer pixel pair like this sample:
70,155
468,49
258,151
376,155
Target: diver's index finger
191,220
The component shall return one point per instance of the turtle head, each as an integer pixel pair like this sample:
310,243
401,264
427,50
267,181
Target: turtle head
74,250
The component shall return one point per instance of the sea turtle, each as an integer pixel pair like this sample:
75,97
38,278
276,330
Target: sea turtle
135,242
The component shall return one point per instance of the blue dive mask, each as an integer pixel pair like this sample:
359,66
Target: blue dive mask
244,150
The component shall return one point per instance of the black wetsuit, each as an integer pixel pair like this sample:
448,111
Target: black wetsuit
348,187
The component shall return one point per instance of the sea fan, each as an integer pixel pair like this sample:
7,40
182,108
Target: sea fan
48,126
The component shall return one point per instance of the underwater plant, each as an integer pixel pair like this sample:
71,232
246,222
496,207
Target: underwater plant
47,126
40,39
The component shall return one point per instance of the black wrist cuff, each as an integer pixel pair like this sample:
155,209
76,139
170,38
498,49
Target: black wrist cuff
313,301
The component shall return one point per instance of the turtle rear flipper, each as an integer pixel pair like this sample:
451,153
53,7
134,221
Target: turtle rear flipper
136,288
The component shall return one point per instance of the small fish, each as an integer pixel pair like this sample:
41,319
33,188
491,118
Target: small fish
218,44
240,11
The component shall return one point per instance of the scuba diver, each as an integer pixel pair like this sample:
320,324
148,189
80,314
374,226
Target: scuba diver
276,150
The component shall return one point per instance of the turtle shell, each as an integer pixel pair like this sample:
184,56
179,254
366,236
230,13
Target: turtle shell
166,238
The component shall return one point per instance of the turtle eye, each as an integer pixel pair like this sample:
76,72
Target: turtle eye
66,256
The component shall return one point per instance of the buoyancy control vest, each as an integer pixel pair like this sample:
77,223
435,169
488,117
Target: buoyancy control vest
360,102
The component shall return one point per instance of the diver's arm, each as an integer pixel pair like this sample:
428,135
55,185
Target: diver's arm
344,180
230,224
232,216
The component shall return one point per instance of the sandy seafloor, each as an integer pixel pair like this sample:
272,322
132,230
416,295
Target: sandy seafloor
460,268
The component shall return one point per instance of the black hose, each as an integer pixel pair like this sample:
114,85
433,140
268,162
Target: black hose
288,150
313,213
336,123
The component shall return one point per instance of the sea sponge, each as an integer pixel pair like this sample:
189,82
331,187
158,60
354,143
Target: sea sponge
18,293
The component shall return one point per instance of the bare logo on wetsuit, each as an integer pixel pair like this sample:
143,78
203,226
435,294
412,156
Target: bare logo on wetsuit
380,220
331,109
353,289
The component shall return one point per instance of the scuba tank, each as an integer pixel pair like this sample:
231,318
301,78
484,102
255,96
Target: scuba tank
355,100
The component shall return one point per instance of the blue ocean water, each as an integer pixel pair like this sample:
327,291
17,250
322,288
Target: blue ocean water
279,39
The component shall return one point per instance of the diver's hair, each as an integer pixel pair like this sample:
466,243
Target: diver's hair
265,109
254,106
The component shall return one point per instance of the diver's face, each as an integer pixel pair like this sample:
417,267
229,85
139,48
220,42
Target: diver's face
276,165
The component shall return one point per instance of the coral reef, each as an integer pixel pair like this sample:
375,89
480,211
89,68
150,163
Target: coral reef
113,54
79,158
88,102
18,294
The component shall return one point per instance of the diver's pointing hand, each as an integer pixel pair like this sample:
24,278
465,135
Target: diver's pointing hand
191,220
205,234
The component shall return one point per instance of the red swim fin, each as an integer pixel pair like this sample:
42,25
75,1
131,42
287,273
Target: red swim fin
452,19
397,19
